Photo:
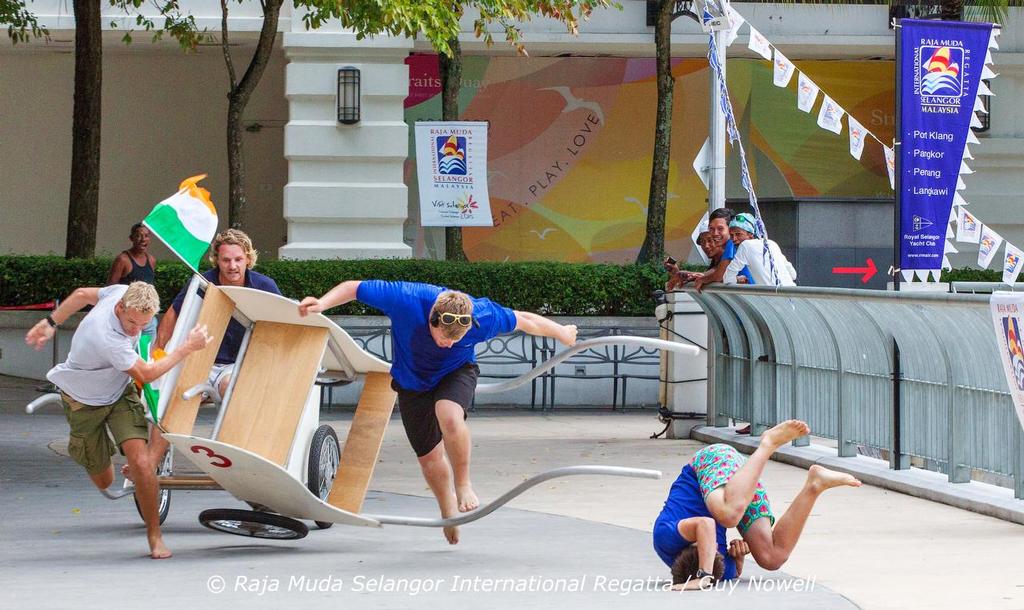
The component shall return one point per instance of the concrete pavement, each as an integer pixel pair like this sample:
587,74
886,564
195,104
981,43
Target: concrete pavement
871,547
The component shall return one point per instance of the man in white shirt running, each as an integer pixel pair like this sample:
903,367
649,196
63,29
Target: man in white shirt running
750,254
97,390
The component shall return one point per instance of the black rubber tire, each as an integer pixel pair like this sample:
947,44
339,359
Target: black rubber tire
164,505
253,524
314,483
164,497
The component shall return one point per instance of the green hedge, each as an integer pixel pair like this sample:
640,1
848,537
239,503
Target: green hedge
547,288
968,274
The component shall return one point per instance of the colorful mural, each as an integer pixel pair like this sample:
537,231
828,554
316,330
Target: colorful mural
571,141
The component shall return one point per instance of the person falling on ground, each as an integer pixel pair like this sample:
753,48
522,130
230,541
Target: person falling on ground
717,490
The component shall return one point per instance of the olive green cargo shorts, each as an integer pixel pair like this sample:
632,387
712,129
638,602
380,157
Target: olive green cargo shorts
89,444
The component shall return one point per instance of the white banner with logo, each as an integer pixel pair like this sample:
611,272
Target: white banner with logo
1007,309
451,160
989,246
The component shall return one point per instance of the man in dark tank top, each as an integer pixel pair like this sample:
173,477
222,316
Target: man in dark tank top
136,265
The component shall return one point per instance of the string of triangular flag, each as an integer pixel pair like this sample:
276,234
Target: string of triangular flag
830,114
970,229
734,139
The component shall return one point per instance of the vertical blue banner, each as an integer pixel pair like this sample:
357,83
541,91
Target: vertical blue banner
939,66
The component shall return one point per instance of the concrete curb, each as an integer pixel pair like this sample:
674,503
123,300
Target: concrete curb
982,498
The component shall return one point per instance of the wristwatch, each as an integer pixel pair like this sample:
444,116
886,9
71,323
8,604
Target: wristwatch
701,575
51,321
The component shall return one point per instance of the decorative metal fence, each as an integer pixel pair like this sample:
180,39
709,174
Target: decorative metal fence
508,356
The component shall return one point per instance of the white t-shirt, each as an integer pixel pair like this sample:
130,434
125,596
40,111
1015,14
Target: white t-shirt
100,352
750,254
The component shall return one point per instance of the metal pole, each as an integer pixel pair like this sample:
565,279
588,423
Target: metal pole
896,459
716,132
897,145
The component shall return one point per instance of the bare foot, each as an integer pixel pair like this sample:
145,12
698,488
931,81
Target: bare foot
126,472
782,433
822,478
452,534
467,498
157,550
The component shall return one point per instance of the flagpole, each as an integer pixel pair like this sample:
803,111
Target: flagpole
716,137
897,166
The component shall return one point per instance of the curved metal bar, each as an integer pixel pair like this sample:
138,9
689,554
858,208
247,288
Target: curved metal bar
42,401
511,384
118,494
483,511
198,389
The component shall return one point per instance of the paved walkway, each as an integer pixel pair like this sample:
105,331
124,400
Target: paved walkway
869,547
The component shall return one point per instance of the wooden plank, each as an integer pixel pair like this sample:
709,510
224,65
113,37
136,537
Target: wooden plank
196,481
259,305
365,437
275,378
216,312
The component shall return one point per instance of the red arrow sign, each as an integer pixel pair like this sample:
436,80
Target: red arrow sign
868,272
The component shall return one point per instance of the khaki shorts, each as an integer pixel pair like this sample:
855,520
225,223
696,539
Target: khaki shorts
89,443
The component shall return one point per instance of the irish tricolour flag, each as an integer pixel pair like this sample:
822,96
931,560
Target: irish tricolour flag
185,221
150,391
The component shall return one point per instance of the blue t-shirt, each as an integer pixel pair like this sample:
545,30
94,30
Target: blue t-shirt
685,501
232,342
729,253
419,364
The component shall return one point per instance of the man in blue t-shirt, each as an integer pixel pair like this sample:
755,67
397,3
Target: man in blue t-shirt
718,226
433,333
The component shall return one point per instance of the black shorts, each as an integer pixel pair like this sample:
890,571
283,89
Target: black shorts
417,408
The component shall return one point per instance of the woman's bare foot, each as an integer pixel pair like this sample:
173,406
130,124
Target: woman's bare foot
821,478
467,498
157,550
782,433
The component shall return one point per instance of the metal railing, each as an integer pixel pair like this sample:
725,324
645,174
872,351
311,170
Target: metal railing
508,356
902,374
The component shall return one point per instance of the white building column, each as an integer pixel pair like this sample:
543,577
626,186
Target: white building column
688,391
346,196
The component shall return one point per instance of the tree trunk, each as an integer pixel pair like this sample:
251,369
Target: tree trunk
236,163
653,247
451,84
84,195
238,98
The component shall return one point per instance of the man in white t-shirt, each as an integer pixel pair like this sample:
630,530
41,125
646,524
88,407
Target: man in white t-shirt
97,390
750,254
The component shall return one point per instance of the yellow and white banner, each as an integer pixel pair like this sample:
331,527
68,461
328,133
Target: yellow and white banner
1007,309
451,159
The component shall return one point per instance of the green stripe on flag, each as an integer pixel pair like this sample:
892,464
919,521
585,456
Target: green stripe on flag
150,395
163,221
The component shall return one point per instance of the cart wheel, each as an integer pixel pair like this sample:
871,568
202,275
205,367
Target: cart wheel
253,524
324,455
163,499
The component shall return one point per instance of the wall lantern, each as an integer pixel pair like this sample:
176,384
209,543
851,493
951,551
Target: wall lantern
985,117
348,95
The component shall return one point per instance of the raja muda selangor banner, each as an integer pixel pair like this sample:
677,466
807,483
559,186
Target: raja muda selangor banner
940,66
1008,318
451,158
